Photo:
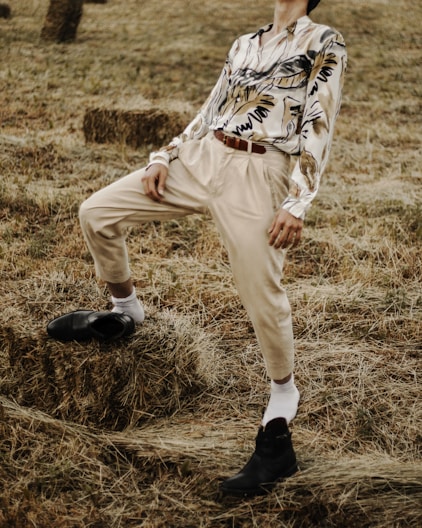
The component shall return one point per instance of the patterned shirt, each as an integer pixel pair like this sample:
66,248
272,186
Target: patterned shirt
285,94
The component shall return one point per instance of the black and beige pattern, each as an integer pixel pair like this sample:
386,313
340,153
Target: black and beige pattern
286,93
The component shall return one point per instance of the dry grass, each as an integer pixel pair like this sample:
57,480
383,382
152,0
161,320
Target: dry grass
139,433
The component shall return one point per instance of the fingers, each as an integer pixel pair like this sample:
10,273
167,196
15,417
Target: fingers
297,238
154,181
285,231
161,183
286,238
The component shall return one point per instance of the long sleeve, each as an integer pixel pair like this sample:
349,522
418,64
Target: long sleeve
317,125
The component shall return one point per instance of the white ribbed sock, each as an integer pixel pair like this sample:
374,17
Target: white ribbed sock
283,403
129,305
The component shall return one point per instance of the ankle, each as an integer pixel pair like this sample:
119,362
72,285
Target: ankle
120,300
283,402
129,305
121,290
288,386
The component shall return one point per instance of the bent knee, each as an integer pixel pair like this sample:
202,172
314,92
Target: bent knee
89,215
85,212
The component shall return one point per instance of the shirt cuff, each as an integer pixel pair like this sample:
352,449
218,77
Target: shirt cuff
160,157
295,207
157,162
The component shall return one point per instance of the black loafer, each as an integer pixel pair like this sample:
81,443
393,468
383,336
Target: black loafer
82,325
273,460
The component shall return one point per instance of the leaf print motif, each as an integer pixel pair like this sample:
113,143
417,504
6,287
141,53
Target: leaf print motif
309,169
292,109
324,65
248,102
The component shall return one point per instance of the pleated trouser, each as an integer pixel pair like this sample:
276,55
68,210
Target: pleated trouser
242,191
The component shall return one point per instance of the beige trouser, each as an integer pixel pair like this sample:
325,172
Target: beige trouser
242,192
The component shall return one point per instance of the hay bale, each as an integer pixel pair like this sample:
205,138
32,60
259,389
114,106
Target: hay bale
62,20
5,11
151,126
115,385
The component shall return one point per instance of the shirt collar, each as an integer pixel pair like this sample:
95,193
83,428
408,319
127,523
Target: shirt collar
296,26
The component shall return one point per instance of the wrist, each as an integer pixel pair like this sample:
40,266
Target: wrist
157,162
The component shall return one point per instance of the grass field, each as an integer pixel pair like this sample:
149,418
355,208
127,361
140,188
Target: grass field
139,434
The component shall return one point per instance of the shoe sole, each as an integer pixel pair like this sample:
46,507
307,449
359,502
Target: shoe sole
263,489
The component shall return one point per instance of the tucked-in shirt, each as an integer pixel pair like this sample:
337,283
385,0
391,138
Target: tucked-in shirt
284,94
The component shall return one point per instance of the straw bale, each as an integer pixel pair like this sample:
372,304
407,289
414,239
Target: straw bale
5,11
155,372
151,126
62,20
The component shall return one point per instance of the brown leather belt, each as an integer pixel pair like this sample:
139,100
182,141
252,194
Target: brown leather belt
239,144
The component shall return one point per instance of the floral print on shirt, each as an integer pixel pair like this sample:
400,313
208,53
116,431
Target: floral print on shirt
286,93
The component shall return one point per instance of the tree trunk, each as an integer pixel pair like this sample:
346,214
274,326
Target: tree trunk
5,11
62,20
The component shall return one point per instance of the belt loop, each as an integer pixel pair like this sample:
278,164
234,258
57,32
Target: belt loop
250,147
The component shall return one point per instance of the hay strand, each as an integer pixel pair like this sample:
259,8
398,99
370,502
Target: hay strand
172,462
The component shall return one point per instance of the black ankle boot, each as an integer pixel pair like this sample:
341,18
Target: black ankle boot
272,460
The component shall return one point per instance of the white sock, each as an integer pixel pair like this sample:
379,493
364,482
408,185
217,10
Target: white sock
283,403
129,305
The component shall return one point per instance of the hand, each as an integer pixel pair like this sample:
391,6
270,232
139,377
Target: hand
154,181
285,231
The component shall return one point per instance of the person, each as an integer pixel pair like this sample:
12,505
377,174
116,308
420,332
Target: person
278,96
